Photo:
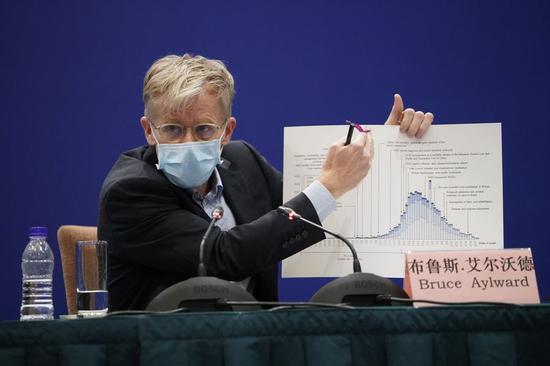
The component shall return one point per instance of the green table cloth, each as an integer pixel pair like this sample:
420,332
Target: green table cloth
459,335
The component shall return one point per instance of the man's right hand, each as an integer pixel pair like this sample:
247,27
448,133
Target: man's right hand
346,165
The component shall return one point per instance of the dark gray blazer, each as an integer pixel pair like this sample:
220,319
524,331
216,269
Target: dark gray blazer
154,228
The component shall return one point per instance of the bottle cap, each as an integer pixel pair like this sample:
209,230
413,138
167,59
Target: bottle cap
38,231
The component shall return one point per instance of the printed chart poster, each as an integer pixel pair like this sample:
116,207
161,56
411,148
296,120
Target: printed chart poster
441,192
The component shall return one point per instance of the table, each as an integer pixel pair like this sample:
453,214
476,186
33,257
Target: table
459,335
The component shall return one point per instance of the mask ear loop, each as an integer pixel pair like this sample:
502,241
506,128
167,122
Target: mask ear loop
153,133
220,140
222,137
156,145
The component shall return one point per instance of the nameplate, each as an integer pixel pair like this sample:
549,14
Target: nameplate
504,275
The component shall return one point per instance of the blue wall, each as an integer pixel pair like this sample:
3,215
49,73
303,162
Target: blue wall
72,74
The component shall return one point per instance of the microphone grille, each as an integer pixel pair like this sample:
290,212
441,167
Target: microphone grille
217,213
284,210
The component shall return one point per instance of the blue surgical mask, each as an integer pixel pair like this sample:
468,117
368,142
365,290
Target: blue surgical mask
189,164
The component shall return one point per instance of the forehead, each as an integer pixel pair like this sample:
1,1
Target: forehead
205,107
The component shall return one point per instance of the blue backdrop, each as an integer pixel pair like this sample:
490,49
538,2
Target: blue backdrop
71,75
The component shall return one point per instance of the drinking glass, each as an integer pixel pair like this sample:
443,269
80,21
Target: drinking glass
91,285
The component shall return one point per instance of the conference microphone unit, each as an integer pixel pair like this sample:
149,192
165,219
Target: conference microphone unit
203,293
356,289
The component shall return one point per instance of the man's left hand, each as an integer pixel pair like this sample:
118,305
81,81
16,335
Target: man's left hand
413,123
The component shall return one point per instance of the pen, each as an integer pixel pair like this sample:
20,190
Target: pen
350,133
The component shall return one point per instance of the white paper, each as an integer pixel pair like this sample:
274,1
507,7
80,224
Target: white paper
441,192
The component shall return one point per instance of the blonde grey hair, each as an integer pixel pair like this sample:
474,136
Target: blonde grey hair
173,82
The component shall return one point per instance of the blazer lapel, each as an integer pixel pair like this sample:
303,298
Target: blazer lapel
236,193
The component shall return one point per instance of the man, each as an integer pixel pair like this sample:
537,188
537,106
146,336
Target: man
155,203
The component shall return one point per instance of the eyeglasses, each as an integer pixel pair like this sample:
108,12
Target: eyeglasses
173,132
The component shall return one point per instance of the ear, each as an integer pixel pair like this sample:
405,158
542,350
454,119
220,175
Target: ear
147,130
229,128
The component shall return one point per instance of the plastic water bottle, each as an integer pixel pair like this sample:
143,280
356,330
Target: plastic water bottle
37,267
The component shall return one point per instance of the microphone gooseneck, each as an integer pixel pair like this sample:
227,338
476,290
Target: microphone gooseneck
203,293
217,214
292,215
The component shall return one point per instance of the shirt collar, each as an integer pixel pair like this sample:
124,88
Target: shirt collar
214,193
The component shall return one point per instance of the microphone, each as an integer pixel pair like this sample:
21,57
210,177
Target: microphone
358,288
292,215
216,215
204,293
